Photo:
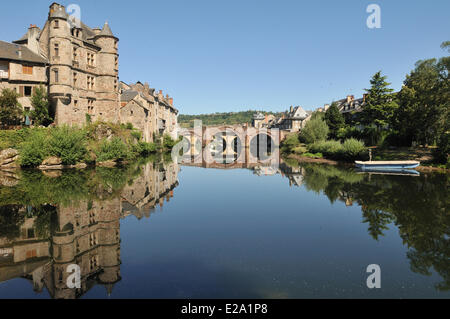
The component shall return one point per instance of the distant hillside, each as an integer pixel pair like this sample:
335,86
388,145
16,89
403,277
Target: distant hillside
221,118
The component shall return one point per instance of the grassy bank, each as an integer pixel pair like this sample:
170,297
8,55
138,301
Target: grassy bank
90,144
334,152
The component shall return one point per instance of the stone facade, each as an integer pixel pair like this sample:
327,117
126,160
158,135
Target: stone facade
148,111
79,66
293,120
21,70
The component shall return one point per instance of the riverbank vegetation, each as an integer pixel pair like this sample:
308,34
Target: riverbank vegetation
90,144
416,118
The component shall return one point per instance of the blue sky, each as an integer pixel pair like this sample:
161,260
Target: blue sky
215,56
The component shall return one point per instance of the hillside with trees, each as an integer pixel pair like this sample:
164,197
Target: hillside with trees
229,118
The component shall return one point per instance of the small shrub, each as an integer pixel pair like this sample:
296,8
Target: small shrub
169,142
68,143
114,150
353,149
299,149
328,148
143,148
129,126
136,134
34,151
311,155
290,143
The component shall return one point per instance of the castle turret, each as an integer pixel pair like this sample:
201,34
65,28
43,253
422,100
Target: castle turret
60,59
107,79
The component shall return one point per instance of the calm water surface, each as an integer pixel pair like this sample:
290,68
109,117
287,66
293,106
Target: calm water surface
157,230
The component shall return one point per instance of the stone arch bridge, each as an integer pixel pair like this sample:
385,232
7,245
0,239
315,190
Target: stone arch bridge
231,146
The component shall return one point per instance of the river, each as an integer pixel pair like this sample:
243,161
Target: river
155,229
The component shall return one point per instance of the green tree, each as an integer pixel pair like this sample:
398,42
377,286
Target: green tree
10,109
40,104
335,120
424,102
380,104
315,130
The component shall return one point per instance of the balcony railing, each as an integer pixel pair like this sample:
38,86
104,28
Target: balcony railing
4,74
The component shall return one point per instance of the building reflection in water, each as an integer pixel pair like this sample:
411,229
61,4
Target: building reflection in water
39,243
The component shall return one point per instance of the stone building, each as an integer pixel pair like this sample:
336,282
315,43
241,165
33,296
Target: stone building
21,70
78,65
151,112
260,120
294,120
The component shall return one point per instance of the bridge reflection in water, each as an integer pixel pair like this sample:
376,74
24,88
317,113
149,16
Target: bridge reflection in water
230,146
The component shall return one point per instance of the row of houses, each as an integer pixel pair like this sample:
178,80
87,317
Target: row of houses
79,67
295,119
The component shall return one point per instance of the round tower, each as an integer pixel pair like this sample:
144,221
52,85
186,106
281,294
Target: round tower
60,60
107,105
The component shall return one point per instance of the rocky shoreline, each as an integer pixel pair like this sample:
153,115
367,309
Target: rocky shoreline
9,161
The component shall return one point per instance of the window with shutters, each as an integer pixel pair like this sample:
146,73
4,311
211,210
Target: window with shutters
27,69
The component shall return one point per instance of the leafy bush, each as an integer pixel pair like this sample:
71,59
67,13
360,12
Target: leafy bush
169,142
315,130
353,149
329,148
34,151
311,155
350,150
136,134
143,148
68,143
114,150
291,142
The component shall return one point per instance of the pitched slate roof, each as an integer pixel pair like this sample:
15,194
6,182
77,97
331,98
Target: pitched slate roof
127,96
10,51
106,31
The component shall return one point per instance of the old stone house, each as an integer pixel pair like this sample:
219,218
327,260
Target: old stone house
294,120
21,70
148,111
79,67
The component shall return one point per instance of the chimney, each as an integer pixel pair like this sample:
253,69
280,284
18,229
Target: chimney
171,101
292,109
32,41
365,98
349,98
19,51
161,93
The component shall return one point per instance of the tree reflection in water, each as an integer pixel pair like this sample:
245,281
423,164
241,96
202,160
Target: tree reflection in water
418,206
51,220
